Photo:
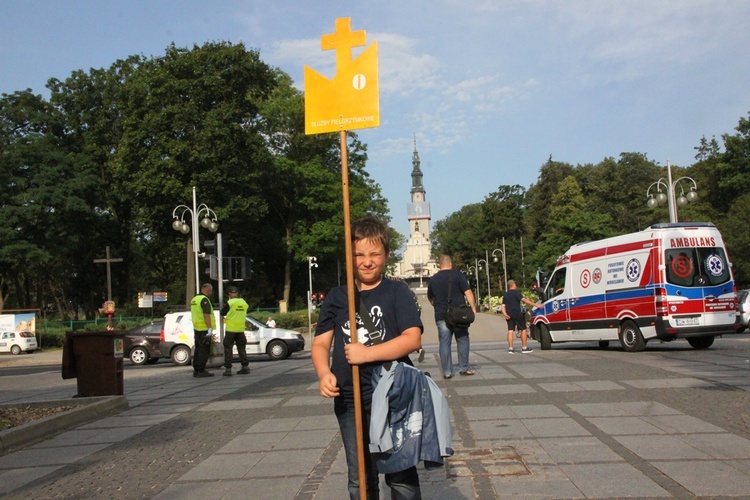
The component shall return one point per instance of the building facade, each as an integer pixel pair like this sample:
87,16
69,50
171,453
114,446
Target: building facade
417,264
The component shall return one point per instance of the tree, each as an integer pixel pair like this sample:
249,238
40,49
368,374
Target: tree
571,221
303,186
460,235
44,208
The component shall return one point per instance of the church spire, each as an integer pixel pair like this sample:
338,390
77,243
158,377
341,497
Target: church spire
416,172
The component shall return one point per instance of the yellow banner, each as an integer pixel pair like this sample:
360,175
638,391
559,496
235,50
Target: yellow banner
350,100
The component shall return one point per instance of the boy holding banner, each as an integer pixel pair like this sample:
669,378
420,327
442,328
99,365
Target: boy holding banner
391,308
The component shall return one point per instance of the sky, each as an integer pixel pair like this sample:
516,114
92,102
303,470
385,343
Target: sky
488,89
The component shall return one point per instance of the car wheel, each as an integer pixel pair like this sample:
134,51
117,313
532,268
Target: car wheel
604,344
545,339
138,356
181,355
15,349
631,337
703,342
277,350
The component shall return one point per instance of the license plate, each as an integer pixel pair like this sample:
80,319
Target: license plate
688,321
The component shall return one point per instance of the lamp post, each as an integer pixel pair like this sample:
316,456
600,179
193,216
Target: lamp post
505,271
209,221
311,262
475,270
487,270
670,198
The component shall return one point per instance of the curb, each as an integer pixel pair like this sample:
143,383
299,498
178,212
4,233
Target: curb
89,409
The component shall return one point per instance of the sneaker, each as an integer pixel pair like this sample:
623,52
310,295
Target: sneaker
203,374
510,350
420,358
227,372
526,350
244,371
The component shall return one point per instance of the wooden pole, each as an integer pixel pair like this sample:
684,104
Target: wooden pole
352,316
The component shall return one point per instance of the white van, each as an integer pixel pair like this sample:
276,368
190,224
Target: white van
667,282
177,338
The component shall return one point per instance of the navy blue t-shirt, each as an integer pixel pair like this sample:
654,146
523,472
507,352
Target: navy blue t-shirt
392,310
437,291
512,300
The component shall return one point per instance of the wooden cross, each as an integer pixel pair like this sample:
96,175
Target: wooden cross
108,260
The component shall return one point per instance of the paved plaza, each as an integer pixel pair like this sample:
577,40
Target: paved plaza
572,422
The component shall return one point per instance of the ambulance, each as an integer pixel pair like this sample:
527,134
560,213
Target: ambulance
670,281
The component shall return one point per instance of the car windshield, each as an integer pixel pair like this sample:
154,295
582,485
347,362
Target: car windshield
696,267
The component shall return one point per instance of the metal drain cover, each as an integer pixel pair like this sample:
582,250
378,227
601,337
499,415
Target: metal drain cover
503,461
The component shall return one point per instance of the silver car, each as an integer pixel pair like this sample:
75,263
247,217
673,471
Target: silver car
743,296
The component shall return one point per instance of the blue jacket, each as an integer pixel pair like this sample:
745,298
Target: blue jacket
410,420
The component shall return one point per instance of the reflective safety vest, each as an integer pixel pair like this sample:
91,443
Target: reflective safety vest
196,311
236,315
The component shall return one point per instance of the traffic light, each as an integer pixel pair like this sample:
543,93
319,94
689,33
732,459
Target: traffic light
210,247
238,268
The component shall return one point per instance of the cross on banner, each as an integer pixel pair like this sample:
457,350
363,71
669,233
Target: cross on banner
342,41
108,261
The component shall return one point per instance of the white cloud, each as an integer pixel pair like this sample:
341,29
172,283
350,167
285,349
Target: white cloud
402,69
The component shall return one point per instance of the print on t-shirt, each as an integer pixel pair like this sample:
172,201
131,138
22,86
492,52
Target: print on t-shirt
363,336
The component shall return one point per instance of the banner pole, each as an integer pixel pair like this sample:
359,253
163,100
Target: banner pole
352,316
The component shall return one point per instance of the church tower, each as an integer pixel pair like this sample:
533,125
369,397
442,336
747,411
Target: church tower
417,261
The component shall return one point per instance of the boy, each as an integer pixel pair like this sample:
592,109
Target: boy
391,308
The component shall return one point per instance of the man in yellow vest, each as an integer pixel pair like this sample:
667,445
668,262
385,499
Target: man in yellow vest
202,313
235,311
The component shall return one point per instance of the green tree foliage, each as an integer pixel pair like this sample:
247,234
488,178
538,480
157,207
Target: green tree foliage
304,191
571,221
460,235
109,157
44,205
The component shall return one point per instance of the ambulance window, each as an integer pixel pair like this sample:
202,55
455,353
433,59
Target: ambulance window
680,266
713,265
556,284
696,267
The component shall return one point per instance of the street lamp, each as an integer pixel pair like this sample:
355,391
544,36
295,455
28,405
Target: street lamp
654,200
475,268
487,269
311,262
209,221
505,271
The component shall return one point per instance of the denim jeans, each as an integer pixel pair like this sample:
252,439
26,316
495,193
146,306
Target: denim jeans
445,334
404,484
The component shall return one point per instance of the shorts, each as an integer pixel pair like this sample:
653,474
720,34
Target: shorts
516,321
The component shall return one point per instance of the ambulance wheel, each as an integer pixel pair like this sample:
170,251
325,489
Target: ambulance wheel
544,337
604,344
701,342
631,337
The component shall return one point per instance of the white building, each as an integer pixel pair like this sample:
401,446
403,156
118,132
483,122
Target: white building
417,264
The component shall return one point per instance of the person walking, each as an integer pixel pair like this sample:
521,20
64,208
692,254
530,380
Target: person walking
202,313
515,316
450,286
235,311
390,307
